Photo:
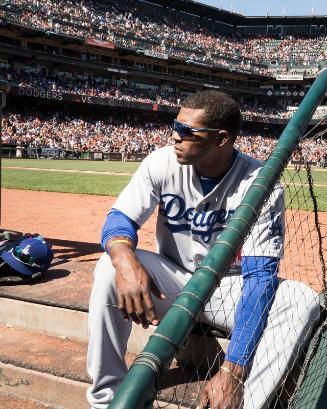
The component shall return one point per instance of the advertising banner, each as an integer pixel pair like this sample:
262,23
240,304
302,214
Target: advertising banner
99,43
156,54
121,103
289,77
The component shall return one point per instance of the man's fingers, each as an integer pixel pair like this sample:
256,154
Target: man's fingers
134,317
129,305
144,320
130,309
212,402
121,306
203,400
156,290
139,309
150,310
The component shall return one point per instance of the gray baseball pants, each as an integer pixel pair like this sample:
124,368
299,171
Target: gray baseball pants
291,319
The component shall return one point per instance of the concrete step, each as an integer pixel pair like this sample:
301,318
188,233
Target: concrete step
41,371
12,402
39,360
43,368
43,337
59,322
46,369
58,303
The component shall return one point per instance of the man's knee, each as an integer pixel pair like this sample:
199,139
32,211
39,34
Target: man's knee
303,298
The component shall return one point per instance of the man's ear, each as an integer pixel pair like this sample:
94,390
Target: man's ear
222,138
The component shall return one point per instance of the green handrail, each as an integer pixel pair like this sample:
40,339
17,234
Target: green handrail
139,387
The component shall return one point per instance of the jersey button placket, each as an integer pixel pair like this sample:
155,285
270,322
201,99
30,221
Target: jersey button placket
196,257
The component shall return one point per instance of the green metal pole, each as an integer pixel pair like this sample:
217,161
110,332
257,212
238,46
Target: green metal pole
139,387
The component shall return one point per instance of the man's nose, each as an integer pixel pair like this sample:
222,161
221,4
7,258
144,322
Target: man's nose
176,137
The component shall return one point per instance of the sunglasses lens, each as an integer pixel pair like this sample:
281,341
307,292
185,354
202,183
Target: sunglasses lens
182,129
25,258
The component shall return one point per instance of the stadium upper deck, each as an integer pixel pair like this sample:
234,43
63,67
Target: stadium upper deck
161,28
128,56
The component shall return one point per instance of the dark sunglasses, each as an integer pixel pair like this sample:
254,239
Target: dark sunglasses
24,258
185,131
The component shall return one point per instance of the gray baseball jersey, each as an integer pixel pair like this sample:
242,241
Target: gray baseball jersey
188,222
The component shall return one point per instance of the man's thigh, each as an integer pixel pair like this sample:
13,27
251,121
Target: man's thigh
220,310
171,278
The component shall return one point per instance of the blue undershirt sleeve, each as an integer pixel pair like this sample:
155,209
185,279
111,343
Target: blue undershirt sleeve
118,224
260,283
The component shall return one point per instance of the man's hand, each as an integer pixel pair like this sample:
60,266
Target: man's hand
224,391
134,286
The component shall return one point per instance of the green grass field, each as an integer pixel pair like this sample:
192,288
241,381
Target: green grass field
319,176
100,183
82,165
92,184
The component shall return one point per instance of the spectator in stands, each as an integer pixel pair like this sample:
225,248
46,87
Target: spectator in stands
100,87
127,26
129,136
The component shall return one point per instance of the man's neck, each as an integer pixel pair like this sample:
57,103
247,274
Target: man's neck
218,168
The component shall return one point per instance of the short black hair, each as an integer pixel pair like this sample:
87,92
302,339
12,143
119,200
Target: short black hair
221,110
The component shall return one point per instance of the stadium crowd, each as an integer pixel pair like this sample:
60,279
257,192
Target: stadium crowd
129,135
260,147
167,32
78,133
102,87
90,86
121,23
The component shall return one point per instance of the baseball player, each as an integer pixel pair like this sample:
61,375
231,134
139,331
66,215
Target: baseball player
197,185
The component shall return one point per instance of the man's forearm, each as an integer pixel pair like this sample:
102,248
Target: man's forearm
121,249
259,286
133,283
119,241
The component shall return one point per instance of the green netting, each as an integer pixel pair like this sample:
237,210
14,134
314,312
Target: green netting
199,354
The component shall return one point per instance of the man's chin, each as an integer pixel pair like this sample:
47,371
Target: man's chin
181,159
